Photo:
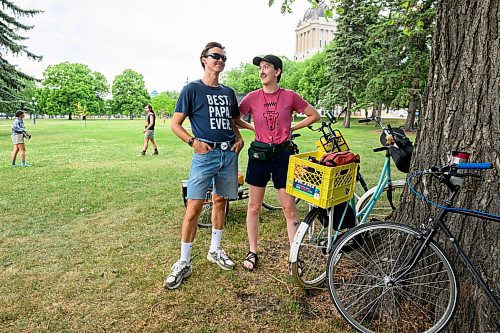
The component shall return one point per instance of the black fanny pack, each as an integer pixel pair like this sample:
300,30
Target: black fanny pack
264,151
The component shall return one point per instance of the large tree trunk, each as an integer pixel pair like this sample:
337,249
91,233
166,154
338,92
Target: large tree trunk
462,113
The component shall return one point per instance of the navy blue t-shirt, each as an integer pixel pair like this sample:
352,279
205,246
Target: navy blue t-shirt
210,110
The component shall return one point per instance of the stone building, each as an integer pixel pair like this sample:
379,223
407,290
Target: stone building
313,32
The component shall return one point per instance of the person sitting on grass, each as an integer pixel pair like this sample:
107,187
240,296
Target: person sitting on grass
18,135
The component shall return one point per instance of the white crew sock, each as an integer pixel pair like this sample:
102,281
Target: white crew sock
216,238
186,252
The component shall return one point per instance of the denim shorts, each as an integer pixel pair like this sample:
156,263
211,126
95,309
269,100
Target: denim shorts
150,134
217,168
260,172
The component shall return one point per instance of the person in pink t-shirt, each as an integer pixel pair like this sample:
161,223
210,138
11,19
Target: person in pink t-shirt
272,110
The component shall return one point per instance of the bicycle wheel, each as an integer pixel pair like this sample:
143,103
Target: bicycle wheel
382,208
271,199
205,219
360,277
308,255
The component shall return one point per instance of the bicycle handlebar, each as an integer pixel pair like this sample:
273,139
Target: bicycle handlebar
450,168
478,165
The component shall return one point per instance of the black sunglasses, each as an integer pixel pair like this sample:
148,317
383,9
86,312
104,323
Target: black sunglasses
217,56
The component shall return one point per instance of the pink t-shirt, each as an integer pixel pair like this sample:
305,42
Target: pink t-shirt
272,113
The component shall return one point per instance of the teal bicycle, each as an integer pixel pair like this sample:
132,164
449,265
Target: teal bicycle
322,226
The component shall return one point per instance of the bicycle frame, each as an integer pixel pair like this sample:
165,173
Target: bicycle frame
384,179
439,224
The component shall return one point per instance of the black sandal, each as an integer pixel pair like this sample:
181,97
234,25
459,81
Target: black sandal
251,258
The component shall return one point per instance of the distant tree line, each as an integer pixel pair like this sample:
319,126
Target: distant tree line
72,89
67,88
378,59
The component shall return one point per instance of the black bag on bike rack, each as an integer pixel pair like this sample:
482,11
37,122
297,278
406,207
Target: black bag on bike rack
401,150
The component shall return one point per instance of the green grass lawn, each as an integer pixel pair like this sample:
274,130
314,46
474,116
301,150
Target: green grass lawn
88,234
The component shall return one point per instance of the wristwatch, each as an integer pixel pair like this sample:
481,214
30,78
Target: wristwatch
191,141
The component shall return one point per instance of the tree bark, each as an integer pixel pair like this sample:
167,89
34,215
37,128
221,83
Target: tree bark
412,105
462,112
347,116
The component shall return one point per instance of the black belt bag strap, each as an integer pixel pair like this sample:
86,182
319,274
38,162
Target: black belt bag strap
264,151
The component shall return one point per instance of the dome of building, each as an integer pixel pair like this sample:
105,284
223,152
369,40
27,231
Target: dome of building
313,13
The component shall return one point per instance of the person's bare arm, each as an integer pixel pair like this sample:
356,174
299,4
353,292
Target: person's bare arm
238,145
243,124
312,117
176,127
150,123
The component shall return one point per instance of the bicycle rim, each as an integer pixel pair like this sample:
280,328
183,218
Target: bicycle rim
310,267
362,289
271,199
382,209
205,219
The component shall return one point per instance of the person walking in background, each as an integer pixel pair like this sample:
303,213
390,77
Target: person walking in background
272,109
149,130
211,108
18,135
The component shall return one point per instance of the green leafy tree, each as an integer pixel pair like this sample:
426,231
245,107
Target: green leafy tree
65,85
27,95
399,48
242,79
164,102
13,80
313,78
245,78
292,73
346,58
129,93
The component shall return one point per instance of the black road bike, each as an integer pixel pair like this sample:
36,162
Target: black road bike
390,277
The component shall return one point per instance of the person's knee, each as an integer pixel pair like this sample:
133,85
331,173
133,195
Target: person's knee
193,210
219,202
254,208
290,213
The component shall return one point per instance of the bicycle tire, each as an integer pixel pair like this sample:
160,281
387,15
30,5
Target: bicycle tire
381,209
308,256
359,281
271,199
205,218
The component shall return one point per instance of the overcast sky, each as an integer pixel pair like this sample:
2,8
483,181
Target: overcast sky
161,39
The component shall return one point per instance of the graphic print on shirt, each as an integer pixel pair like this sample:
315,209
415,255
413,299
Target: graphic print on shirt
271,118
219,112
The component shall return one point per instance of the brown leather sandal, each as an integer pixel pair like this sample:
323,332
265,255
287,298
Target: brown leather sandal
252,259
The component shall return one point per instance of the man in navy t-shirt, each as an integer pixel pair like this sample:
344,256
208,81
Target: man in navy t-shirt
211,108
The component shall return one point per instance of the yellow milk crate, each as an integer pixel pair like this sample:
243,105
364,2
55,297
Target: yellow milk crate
338,143
317,184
